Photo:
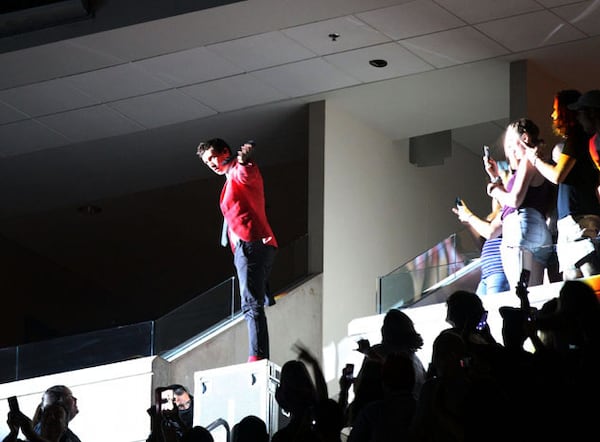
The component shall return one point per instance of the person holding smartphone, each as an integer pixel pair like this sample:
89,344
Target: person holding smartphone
493,279
527,200
51,420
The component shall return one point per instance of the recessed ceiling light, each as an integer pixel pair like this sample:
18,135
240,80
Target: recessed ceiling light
378,63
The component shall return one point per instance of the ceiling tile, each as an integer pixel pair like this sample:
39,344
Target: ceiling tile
27,136
353,33
530,31
305,77
162,108
456,46
233,93
49,61
47,97
584,16
411,19
400,62
116,82
90,123
485,10
8,113
261,51
189,67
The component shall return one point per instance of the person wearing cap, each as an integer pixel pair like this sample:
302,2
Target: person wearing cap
578,208
248,234
588,107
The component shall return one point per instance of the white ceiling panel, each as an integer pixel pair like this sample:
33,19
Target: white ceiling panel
530,31
261,51
117,82
27,136
485,10
353,33
456,46
235,92
162,108
411,19
47,97
400,62
50,61
189,67
8,114
90,123
585,16
305,77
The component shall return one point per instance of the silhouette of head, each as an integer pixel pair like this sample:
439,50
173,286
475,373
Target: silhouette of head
197,434
296,390
464,310
250,429
398,330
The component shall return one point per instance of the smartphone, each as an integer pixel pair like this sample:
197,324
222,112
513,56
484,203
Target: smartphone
486,152
524,278
482,321
458,201
13,403
348,372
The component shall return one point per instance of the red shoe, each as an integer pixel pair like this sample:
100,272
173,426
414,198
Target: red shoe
254,358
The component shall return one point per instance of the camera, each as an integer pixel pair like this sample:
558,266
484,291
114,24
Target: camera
164,399
166,413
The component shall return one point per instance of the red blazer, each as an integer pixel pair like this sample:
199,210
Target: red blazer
243,204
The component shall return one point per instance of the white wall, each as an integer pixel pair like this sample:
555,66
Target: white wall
112,399
379,212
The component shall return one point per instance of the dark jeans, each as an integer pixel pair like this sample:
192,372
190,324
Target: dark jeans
253,262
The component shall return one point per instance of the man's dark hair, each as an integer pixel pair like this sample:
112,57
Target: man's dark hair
218,144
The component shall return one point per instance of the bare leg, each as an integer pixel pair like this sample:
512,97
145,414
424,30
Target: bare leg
511,262
536,268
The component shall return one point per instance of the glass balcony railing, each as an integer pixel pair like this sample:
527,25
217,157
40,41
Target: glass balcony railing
452,264
164,336
443,263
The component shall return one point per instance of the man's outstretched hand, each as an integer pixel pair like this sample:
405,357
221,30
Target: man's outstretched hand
245,153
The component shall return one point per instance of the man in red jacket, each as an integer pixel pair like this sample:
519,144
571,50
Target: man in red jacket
248,233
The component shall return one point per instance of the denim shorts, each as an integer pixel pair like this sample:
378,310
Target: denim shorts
526,228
